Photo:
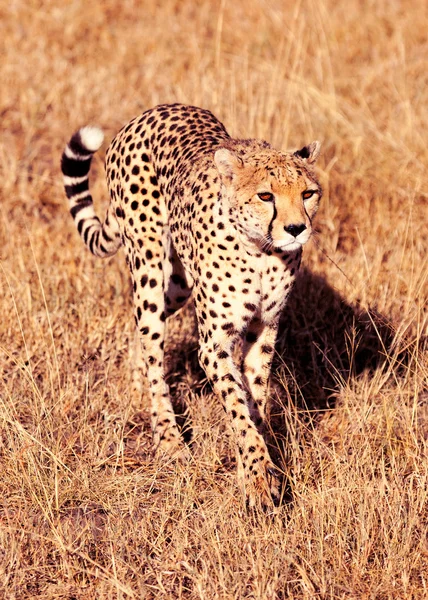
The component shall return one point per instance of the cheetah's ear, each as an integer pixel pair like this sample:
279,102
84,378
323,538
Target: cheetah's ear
309,153
227,163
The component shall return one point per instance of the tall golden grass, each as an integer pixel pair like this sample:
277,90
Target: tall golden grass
86,512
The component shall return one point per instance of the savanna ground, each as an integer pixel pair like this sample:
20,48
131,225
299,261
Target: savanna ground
86,512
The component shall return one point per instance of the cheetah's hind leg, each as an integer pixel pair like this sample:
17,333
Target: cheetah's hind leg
160,288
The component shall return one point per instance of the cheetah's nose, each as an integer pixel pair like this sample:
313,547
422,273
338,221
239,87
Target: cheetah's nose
295,230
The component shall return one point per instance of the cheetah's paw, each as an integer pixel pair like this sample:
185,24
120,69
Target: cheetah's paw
263,488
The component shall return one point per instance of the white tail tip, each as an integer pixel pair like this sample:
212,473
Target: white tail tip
91,137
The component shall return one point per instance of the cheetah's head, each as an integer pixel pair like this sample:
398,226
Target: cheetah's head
272,195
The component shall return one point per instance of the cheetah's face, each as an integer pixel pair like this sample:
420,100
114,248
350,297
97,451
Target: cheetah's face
273,196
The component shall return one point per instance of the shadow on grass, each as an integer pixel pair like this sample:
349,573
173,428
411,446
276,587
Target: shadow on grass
323,341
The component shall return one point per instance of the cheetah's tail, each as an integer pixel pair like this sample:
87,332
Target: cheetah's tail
102,239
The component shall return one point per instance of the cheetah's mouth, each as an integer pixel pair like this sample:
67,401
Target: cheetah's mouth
287,246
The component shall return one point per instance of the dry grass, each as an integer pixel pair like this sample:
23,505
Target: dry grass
86,513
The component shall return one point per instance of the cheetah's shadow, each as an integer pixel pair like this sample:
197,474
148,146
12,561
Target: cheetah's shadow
323,342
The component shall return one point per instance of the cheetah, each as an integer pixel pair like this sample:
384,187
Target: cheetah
223,219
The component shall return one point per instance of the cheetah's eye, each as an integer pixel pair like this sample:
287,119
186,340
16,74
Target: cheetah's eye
265,196
308,194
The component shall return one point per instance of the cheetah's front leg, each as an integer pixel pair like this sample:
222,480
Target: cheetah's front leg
149,311
262,484
258,350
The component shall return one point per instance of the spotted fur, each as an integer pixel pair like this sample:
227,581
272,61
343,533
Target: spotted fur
198,210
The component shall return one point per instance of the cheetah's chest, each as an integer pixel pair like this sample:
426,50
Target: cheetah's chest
276,280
